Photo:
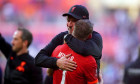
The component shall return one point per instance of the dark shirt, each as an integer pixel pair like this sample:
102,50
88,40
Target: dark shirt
92,47
132,73
0,75
19,69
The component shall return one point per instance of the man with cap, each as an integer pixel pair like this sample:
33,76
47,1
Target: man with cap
86,72
92,46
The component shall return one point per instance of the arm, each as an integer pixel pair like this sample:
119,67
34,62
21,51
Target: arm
5,47
101,81
43,58
90,47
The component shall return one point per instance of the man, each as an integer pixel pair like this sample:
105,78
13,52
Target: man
0,75
20,68
93,46
132,72
86,70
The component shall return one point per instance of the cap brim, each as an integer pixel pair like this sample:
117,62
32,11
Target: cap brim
70,14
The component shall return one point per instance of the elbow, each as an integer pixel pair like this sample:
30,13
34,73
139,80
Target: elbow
37,63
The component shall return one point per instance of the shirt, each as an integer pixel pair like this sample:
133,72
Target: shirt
132,73
92,47
19,69
86,72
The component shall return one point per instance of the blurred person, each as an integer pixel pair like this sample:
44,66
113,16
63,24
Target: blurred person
93,46
86,72
0,75
132,71
20,67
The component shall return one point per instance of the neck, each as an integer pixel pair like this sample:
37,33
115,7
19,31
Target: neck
22,52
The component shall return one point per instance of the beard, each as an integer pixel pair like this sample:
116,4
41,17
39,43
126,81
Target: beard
16,49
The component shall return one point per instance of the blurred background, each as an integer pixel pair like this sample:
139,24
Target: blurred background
118,21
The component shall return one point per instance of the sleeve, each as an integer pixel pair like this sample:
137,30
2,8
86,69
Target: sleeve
90,71
43,58
5,47
125,75
92,46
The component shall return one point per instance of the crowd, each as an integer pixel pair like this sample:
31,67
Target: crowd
120,33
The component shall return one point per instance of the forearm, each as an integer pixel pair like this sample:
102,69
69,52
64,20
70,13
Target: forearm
5,47
89,47
42,60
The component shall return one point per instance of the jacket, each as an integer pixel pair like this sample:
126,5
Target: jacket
19,69
92,47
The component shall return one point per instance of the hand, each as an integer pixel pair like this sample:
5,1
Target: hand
100,78
65,64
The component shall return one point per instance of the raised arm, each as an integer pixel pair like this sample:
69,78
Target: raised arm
92,46
5,47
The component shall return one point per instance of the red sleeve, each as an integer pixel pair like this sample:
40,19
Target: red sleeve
90,71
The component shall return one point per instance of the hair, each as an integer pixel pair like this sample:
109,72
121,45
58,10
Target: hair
83,28
26,35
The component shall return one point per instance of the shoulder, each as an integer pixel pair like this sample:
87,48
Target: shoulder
59,37
88,61
134,64
96,34
29,59
89,64
60,48
62,33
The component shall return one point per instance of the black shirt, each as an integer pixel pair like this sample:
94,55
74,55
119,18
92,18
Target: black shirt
19,69
132,73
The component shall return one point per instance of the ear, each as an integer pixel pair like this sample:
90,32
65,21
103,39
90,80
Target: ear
25,43
90,36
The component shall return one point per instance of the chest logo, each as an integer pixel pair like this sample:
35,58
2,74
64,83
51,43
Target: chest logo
21,66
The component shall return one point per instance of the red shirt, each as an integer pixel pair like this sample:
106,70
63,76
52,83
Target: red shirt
85,72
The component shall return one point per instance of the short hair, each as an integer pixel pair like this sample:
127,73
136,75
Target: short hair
83,28
26,35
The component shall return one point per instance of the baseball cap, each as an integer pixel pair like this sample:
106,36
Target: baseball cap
78,12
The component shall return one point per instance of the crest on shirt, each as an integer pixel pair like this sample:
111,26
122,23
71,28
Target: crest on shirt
61,54
21,66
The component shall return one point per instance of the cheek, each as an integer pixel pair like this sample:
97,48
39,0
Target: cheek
67,24
71,30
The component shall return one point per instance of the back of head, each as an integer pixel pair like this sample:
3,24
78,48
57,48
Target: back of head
26,35
83,28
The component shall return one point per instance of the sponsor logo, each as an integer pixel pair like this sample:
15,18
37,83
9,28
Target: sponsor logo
73,9
61,54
